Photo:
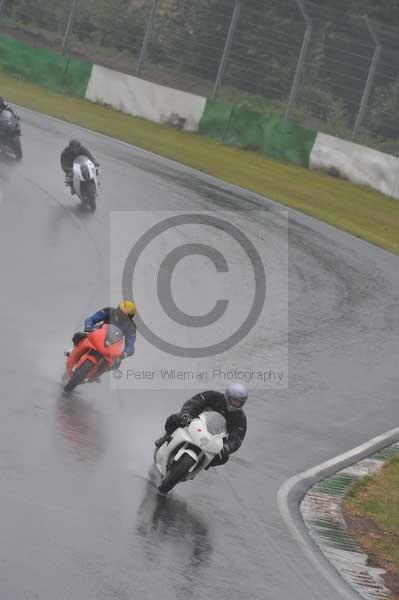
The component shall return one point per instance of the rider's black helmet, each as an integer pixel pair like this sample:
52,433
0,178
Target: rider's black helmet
75,144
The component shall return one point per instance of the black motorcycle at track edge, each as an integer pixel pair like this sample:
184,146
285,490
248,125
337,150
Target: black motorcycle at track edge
10,135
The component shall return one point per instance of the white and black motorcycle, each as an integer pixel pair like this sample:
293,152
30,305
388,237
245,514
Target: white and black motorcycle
85,181
190,449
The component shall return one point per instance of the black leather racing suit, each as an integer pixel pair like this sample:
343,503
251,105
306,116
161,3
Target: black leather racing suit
69,155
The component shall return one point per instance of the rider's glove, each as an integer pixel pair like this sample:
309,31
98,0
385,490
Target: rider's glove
185,420
225,452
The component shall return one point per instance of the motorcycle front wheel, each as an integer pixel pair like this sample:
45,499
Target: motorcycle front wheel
78,376
177,472
90,195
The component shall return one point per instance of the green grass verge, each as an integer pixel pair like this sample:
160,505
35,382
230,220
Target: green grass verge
357,210
373,504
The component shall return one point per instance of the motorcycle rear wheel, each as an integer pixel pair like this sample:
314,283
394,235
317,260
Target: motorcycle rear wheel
78,376
177,472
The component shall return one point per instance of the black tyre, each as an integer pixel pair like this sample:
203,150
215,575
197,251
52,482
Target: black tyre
177,472
78,376
91,193
16,147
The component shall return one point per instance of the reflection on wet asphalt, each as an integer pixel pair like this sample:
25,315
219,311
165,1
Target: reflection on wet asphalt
169,526
81,427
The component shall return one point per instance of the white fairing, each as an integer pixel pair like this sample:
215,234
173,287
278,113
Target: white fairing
81,165
206,433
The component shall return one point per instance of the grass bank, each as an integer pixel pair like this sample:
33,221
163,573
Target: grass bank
371,511
357,210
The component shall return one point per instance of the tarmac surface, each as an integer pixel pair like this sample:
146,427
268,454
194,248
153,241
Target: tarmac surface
79,516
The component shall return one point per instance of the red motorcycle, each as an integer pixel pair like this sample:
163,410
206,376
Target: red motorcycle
95,354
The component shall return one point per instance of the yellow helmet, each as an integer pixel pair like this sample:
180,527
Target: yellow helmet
128,308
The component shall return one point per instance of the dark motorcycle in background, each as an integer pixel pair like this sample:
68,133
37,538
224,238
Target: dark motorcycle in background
10,135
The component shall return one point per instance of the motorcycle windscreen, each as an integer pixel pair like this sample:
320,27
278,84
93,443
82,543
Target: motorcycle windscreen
84,165
81,160
215,422
114,335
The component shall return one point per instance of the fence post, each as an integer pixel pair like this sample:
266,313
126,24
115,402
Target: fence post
301,59
69,27
227,46
370,79
147,35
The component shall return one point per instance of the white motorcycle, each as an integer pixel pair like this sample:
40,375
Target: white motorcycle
190,449
85,181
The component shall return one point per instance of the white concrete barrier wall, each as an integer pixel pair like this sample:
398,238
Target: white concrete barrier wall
144,99
359,164
134,96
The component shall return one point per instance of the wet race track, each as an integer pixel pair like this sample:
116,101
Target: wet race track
79,516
